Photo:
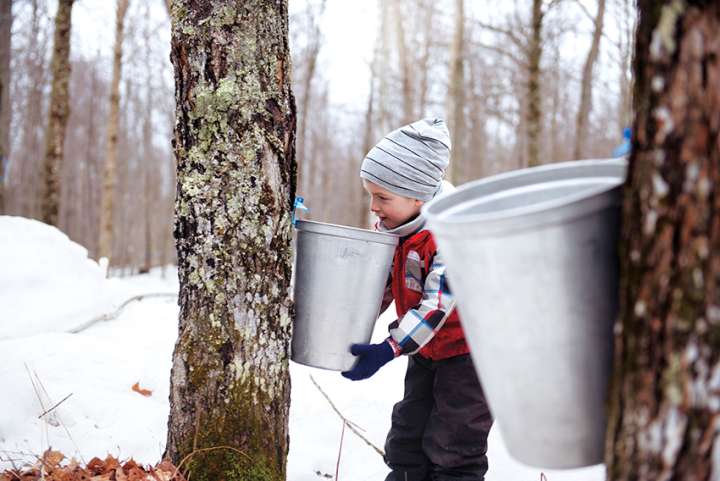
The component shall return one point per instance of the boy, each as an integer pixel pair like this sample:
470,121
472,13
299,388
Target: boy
439,429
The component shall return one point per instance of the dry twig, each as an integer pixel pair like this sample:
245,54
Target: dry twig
55,406
353,427
116,313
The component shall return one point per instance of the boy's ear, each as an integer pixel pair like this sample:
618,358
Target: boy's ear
418,202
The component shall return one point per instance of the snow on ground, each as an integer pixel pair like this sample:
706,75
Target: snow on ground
48,286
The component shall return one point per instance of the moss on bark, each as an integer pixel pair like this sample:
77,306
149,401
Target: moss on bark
234,146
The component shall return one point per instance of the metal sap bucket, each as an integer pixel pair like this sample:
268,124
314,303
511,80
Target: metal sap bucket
340,278
532,260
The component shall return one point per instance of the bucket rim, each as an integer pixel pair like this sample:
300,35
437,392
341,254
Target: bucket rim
346,232
435,211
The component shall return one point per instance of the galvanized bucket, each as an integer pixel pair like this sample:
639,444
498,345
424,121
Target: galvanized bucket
531,257
340,278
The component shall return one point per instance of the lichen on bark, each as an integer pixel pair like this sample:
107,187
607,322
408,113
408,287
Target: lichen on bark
234,146
664,400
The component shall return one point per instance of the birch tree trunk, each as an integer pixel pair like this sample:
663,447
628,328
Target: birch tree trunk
6,19
58,115
665,395
456,97
235,151
583,116
109,172
534,109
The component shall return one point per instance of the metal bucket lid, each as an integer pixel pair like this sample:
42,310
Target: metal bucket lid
530,197
346,232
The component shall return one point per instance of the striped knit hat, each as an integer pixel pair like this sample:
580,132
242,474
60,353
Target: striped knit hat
411,160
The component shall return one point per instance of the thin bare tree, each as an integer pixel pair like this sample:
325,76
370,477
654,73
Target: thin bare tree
404,63
586,84
664,400
105,242
59,112
6,18
533,115
456,97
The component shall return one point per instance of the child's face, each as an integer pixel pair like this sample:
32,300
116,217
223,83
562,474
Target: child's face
392,209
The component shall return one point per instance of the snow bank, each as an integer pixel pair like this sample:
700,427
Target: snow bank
47,282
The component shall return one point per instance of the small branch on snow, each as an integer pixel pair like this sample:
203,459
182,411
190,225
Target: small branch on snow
116,313
342,437
353,427
55,406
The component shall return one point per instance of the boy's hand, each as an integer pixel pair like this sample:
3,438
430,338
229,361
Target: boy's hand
371,358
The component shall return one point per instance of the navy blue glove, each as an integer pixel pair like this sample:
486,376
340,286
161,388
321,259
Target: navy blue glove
371,358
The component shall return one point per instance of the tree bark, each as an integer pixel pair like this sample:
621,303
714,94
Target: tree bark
456,97
58,115
235,152
583,116
534,109
665,398
6,19
109,173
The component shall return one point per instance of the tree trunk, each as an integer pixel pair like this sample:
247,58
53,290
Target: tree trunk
235,152
406,74
148,162
106,203
6,19
308,164
664,401
534,112
27,182
456,97
424,61
59,113
627,30
583,116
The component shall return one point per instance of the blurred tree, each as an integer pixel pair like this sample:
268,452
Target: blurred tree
58,114
583,115
235,151
6,19
108,190
456,98
665,398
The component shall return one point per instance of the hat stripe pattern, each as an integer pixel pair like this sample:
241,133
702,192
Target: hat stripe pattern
406,163
364,174
398,173
411,160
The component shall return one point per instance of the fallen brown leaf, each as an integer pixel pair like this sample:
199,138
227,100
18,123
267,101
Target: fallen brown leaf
145,392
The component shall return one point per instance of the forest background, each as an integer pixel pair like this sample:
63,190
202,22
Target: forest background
521,83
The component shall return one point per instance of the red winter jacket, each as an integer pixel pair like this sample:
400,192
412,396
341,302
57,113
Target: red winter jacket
423,300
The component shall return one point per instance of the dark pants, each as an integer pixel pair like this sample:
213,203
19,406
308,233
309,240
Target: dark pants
440,428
